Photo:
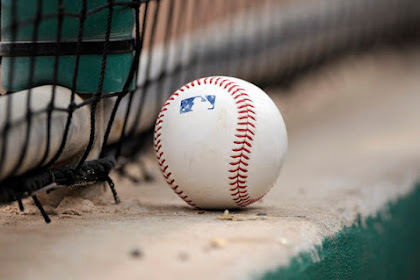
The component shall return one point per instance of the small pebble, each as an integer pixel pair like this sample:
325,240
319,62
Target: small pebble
183,256
261,214
136,253
201,212
284,241
218,243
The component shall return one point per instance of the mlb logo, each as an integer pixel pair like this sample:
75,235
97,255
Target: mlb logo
191,104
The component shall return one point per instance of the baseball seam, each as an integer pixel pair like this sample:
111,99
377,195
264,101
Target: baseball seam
245,133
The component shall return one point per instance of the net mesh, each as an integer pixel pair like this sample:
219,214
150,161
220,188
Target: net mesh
83,81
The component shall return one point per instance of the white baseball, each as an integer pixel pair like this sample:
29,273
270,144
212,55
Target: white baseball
220,143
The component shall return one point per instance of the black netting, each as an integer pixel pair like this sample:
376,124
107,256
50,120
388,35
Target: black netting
83,80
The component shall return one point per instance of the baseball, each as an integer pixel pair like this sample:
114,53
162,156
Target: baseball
220,143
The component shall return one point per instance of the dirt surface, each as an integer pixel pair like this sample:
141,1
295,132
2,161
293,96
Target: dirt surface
353,146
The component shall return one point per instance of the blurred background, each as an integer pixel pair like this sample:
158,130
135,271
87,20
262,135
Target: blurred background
83,81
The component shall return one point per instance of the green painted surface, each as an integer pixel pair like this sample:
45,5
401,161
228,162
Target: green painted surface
94,27
118,65
387,247
116,72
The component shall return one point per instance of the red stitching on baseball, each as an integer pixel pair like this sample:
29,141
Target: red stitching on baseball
240,155
243,140
228,84
238,187
245,130
245,117
244,136
238,169
245,123
243,100
244,106
242,148
236,91
246,112
233,87
238,175
239,163
224,80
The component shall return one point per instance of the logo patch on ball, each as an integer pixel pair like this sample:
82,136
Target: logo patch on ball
190,104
